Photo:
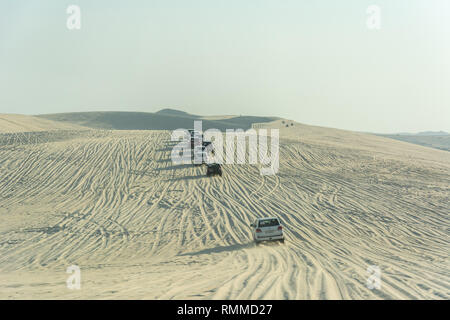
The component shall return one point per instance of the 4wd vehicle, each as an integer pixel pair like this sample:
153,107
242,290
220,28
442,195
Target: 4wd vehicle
196,139
267,229
202,156
213,169
209,147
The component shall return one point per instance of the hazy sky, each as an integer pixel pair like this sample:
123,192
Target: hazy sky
312,61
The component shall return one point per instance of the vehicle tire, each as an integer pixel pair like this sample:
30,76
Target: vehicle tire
208,174
282,241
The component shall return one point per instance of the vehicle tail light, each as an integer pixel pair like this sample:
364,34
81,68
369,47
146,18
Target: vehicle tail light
258,230
280,228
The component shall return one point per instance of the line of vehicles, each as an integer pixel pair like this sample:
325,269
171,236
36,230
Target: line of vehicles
202,152
263,229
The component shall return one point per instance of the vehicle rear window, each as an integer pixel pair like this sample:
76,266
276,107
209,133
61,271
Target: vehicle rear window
268,223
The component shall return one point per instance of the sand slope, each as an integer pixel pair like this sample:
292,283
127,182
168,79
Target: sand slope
140,227
15,123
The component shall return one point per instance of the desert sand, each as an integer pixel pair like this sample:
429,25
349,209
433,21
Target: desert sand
17,123
139,227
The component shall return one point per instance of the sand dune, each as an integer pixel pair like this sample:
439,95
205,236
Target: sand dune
166,119
140,227
17,123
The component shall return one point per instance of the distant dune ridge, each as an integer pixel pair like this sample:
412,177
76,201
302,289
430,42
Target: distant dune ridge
423,133
433,139
166,119
171,119
75,190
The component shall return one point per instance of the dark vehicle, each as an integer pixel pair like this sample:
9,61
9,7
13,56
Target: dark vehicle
213,169
202,156
196,138
208,146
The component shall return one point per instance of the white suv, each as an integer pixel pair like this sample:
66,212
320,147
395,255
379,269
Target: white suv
267,229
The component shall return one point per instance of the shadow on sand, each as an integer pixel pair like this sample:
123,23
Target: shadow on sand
164,149
188,178
163,160
174,167
233,247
